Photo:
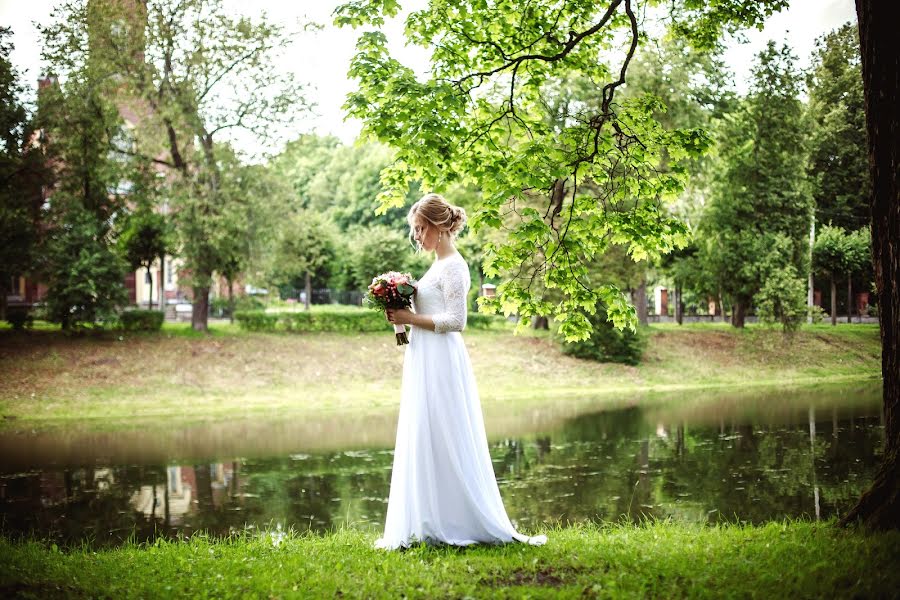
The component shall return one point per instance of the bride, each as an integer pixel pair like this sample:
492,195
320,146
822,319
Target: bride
443,489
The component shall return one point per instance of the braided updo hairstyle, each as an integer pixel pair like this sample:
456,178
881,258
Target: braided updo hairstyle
435,210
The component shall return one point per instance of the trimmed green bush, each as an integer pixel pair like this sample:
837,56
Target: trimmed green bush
256,320
142,320
19,317
484,321
607,344
339,321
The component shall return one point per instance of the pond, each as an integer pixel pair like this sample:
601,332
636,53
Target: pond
700,457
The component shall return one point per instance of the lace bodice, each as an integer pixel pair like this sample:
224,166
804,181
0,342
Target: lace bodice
442,293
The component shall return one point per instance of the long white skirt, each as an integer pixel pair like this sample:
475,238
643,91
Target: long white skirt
443,488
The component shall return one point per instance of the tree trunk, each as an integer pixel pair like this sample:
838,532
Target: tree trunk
879,508
150,299
230,301
833,301
849,299
679,307
738,314
308,289
640,301
200,311
162,284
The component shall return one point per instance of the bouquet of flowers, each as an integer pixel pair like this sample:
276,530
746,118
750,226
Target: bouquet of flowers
392,290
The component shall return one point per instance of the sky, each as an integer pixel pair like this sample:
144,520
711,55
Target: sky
321,58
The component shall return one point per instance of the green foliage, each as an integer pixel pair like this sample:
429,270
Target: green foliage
79,261
84,274
19,317
306,245
144,238
376,249
839,161
21,174
607,343
303,322
335,321
758,221
831,254
738,560
340,181
256,320
200,72
142,320
564,186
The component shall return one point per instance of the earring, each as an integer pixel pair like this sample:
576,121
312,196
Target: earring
440,234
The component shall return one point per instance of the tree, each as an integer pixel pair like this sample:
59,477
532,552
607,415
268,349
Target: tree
859,261
194,73
879,507
305,247
481,116
143,240
831,258
83,272
761,202
376,249
21,174
838,162
79,262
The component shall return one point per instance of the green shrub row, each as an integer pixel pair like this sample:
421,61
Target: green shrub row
142,320
19,317
341,321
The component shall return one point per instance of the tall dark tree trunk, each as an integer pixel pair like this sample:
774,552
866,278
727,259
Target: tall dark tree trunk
849,299
162,285
230,301
150,279
640,300
308,289
200,311
738,313
679,306
879,507
833,301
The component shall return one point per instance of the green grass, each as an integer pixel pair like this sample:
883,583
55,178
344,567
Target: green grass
111,379
664,560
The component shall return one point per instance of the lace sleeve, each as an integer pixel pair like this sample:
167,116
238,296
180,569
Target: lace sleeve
455,282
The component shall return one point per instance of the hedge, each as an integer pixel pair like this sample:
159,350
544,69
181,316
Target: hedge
142,320
341,321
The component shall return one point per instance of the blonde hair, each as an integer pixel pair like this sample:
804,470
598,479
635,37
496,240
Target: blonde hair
434,209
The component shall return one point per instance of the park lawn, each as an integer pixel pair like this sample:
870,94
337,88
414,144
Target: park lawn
662,559
50,379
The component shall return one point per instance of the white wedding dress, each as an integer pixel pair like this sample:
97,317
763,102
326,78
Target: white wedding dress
443,489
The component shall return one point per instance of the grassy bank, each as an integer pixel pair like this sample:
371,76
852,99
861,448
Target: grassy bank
50,378
665,560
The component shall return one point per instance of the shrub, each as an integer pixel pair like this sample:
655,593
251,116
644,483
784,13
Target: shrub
256,320
19,317
607,344
142,320
484,320
817,314
247,303
334,320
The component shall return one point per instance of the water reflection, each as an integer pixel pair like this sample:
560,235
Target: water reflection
697,458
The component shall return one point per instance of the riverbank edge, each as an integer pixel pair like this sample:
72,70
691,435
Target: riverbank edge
652,559
98,417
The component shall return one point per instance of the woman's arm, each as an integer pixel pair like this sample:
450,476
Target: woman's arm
455,283
404,316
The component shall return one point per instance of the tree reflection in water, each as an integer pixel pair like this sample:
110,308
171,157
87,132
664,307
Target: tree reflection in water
689,461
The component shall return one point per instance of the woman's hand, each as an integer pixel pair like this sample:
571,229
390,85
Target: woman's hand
399,316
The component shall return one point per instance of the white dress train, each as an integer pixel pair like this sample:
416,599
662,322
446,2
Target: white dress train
443,488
